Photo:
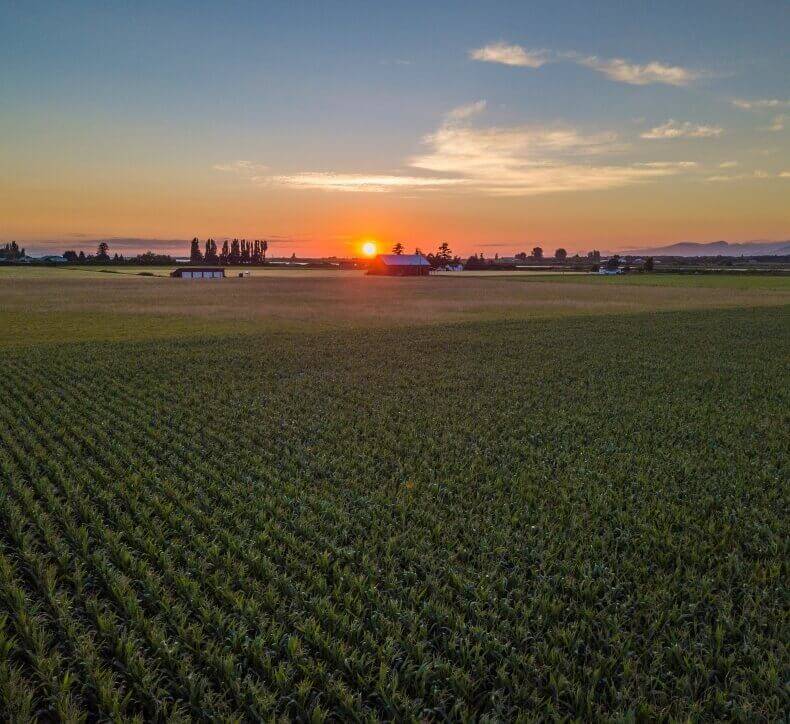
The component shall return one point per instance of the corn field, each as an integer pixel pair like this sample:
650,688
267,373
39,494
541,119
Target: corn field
569,519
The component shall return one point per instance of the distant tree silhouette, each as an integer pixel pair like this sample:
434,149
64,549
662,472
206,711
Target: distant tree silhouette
11,251
70,256
101,252
81,258
235,252
521,256
445,256
561,254
398,249
264,248
595,255
613,262
648,266
224,257
194,252
537,253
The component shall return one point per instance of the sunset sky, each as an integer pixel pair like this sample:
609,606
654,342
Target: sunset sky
493,126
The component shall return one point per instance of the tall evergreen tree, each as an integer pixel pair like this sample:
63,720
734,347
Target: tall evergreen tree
194,252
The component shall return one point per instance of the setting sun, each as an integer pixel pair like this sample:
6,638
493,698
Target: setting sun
369,248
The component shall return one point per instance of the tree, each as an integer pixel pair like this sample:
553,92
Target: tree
561,254
594,255
211,256
225,255
264,248
194,252
70,256
613,262
11,251
648,267
101,252
445,256
537,253
398,249
81,258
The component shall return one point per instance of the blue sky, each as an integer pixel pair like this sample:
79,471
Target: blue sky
172,95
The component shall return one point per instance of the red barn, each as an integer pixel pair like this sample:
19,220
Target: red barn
400,265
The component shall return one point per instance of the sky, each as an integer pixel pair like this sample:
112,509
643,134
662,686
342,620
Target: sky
493,126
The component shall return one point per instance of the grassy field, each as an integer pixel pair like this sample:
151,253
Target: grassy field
365,499
49,305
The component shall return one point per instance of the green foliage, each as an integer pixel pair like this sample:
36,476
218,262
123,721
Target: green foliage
430,524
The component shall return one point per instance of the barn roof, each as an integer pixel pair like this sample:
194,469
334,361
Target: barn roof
403,259
201,268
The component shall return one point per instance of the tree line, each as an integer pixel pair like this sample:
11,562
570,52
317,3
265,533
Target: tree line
442,258
236,251
11,252
102,256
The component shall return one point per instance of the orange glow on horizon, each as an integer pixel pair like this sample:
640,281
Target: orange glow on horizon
369,248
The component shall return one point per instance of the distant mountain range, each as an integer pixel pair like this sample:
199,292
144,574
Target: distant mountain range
716,248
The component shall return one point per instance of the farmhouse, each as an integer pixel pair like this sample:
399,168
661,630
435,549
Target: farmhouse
400,265
199,272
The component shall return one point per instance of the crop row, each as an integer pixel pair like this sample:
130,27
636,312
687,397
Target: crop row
275,528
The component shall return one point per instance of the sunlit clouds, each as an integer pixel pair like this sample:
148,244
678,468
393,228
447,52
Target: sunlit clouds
245,168
672,129
623,71
760,104
616,69
328,181
510,55
464,156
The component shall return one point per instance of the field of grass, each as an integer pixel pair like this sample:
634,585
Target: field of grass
370,499
49,305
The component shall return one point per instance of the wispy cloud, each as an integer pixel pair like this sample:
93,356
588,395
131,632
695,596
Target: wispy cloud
777,124
526,160
463,156
372,183
758,174
669,164
728,164
467,111
244,168
673,129
623,71
508,54
616,69
760,104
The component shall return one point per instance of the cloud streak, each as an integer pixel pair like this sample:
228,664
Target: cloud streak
371,183
623,71
616,69
760,104
672,129
461,157
514,55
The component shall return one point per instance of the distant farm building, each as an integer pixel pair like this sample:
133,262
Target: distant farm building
199,272
400,265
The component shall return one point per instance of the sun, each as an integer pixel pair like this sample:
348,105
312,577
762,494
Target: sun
369,248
